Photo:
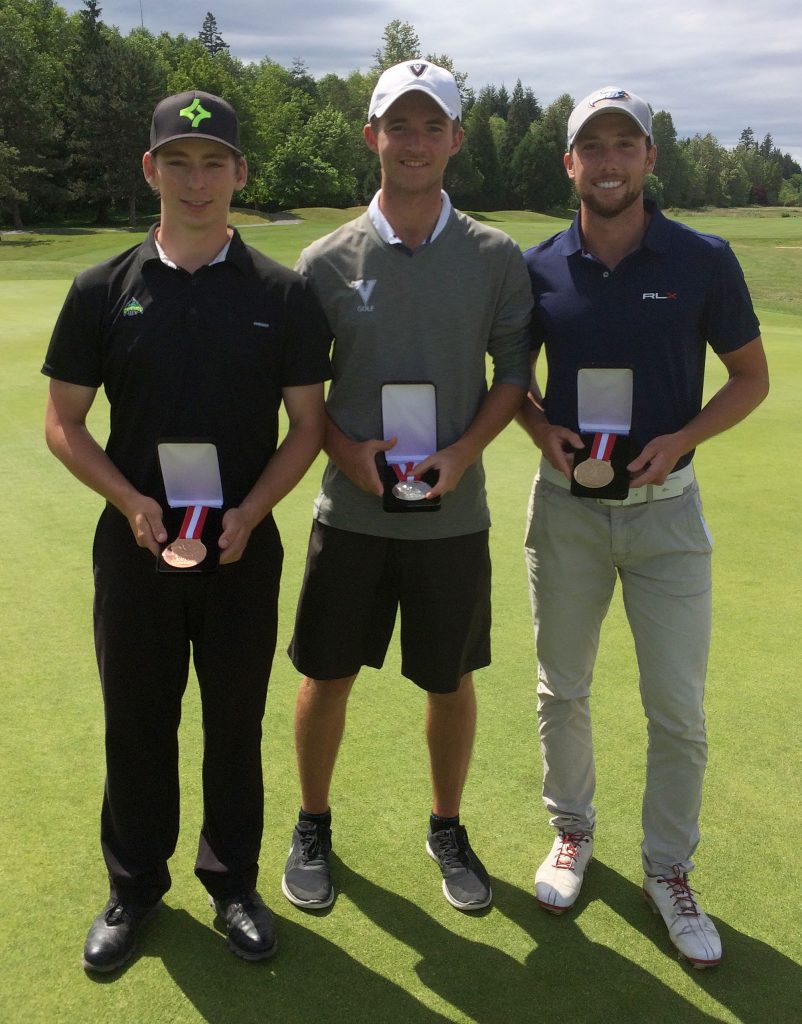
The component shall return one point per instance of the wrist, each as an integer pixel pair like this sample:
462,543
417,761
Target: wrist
540,431
129,502
250,516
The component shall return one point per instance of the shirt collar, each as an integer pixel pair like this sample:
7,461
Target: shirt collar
233,251
385,228
655,238
219,258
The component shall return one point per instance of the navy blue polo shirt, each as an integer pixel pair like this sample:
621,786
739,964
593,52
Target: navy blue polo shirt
656,313
191,356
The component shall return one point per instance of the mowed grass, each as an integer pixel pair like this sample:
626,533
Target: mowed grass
391,949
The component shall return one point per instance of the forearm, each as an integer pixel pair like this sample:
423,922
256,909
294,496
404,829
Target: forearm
746,387
286,468
531,417
70,441
336,444
731,404
74,446
500,405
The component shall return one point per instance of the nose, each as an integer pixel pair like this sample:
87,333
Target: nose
609,156
196,177
414,140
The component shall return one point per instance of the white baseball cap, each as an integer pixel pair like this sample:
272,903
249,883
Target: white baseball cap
420,76
602,102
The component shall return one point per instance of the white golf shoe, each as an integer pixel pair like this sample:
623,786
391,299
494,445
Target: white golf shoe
689,927
559,877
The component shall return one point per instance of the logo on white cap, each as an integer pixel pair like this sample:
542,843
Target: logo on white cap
416,75
607,94
609,98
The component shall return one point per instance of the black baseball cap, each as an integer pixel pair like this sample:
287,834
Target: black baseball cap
194,115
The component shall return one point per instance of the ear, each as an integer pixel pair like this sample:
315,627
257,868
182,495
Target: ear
370,138
242,174
568,164
150,170
456,141
651,159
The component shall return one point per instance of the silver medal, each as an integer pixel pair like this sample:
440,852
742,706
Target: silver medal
411,490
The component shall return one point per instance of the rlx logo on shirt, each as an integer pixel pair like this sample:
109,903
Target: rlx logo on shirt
657,295
365,290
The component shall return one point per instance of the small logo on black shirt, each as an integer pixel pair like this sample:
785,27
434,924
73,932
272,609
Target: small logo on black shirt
133,308
658,295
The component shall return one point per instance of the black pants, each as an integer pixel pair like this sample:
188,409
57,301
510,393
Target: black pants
146,623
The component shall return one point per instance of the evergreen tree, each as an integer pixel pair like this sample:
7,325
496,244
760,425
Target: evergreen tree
210,36
664,136
463,181
522,112
747,139
481,145
538,177
113,85
33,37
301,79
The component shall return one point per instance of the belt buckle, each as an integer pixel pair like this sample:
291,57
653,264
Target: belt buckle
670,488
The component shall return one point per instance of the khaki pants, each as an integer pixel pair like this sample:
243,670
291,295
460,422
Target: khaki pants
575,549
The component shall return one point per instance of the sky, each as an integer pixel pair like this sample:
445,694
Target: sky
716,66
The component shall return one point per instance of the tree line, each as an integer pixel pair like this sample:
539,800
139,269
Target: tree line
76,98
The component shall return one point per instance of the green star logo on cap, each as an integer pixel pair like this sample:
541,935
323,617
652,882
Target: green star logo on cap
195,112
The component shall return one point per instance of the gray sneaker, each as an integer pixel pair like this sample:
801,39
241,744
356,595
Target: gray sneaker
307,876
466,884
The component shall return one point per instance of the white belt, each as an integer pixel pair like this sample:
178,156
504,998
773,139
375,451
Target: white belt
674,485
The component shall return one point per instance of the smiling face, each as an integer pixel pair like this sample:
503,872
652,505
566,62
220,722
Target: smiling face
414,141
196,179
608,164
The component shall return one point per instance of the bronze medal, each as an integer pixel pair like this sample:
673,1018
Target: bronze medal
594,473
184,553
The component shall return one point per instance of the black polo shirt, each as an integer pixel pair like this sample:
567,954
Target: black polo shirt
656,313
200,356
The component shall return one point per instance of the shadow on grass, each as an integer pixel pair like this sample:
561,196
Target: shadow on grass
756,982
566,974
310,980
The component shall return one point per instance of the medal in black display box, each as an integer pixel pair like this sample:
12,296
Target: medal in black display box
193,518
604,474
604,407
409,413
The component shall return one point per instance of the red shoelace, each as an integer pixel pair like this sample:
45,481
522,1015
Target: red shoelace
569,849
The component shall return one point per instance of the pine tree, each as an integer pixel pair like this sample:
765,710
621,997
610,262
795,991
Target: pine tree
210,36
